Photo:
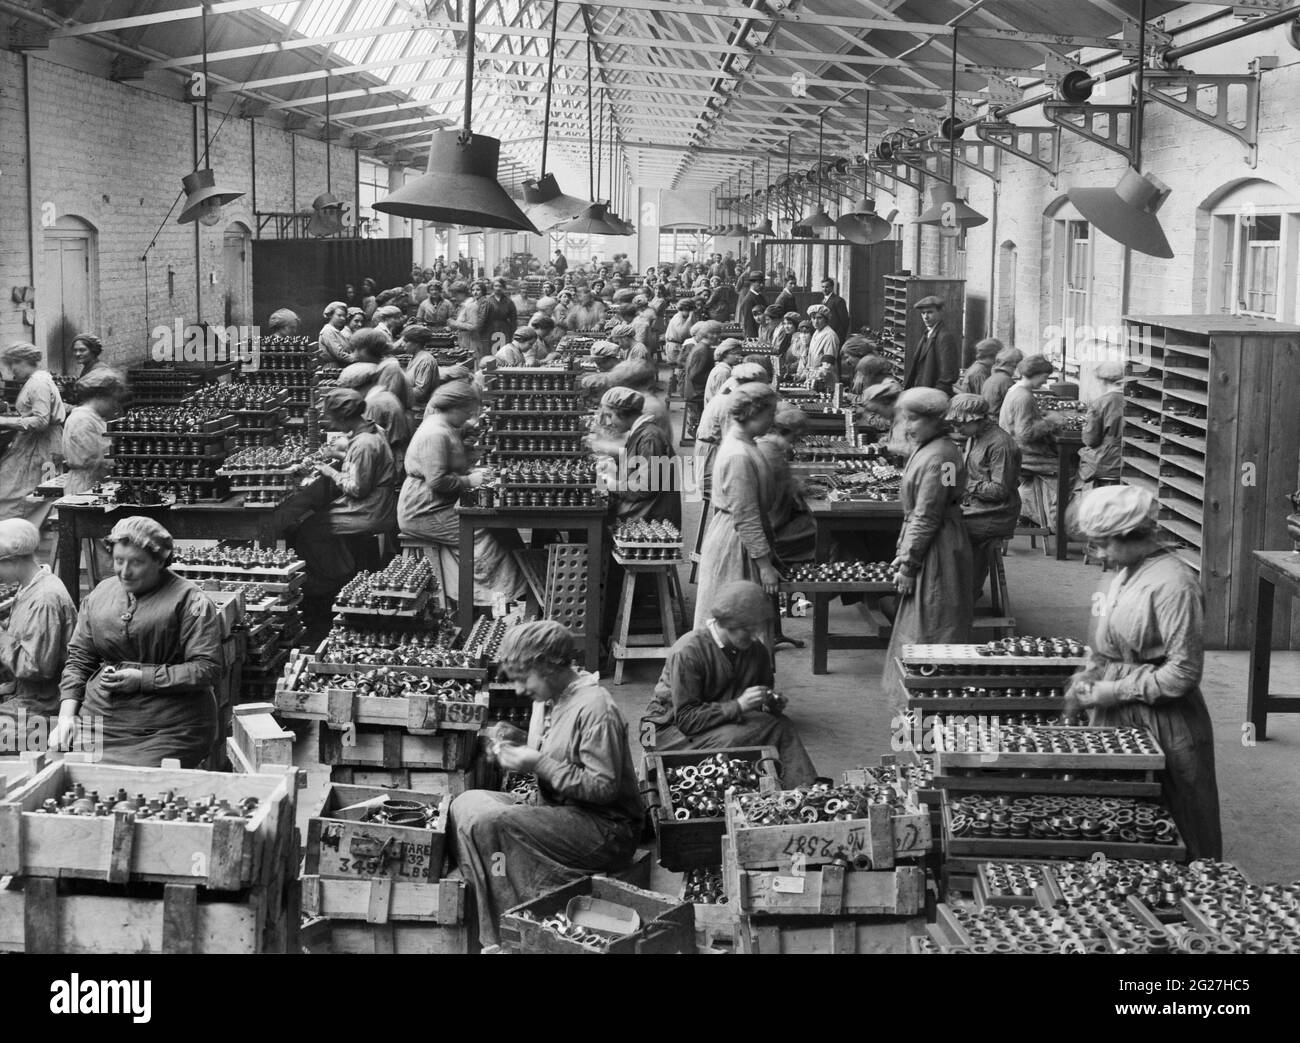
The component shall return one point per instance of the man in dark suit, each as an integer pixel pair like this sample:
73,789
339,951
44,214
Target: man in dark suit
745,307
839,309
936,361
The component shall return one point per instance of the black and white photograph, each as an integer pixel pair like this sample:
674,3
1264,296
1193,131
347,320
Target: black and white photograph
650,477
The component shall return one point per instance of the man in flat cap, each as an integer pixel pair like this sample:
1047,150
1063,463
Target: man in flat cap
1103,429
935,362
752,296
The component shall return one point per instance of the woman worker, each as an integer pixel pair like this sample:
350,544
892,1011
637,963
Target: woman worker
86,349
437,472
643,479
715,421
143,658
716,687
337,540
588,811
793,527
85,433
933,563
35,637
1103,429
1148,652
1021,418
334,339
738,541
990,505
37,423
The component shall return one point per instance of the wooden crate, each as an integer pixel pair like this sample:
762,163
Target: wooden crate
453,782
715,925
946,760
348,849
381,900
396,748
668,926
826,935
697,841
397,938
185,918
881,838
829,890
226,855
257,743
341,708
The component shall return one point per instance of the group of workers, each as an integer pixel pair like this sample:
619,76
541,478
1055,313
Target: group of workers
142,653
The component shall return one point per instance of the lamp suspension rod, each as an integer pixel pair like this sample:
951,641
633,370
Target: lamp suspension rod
550,79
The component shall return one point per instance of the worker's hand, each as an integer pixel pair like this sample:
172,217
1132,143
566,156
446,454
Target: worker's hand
324,469
904,581
121,680
477,477
769,577
752,699
513,757
63,733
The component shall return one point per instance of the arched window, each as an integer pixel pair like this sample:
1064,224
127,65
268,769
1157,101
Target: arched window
1254,232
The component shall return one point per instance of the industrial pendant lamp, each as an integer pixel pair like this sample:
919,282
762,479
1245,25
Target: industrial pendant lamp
203,200
594,219
621,227
460,185
735,229
547,206
764,228
327,209
819,218
951,215
861,224
1127,212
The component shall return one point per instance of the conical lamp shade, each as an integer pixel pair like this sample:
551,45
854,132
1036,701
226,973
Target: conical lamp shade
547,206
736,231
765,229
594,220
947,211
460,187
817,220
864,230
201,194
1127,212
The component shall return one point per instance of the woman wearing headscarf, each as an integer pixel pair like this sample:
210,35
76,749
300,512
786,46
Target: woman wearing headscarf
999,382
991,504
1103,428
37,423
715,422
800,366
715,691
738,541
502,314
334,338
1033,431
356,320
471,322
823,364
587,814
87,349
643,478
337,540
284,322
721,304
730,352
85,433
1147,658
933,562
383,410
695,373
437,472
34,638
143,658
794,529
421,371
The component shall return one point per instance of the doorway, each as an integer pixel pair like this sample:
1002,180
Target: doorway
1005,320
67,299
239,293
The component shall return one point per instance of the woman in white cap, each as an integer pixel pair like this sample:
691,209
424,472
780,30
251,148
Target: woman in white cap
85,433
991,503
726,355
933,562
824,350
715,421
1033,430
738,543
1103,429
144,657
34,639
1147,658
334,338
643,481
37,426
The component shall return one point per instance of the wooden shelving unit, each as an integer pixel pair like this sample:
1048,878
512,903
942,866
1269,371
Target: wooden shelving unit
902,291
1210,431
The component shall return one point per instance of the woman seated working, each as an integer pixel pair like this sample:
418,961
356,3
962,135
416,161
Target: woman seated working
716,688
34,638
588,811
143,658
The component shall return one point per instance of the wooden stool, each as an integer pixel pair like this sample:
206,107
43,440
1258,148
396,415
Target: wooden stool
706,510
1000,617
625,645
434,552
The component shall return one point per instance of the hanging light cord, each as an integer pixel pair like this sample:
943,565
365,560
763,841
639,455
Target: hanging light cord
328,183
550,79
820,121
1141,86
952,114
866,150
591,146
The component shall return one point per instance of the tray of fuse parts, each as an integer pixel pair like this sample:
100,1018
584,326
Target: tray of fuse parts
868,827
414,653
840,577
637,542
988,743
1008,663
385,696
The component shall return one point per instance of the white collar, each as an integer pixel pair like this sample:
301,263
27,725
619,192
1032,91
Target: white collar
716,633
41,570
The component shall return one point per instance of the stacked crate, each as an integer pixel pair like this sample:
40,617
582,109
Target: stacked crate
168,384
822,881
289,363
152,456
575,919
116,882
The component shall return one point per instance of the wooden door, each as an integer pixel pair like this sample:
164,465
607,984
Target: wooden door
67,295
238,298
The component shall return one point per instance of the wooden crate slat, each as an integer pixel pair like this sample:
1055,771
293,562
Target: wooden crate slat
441,902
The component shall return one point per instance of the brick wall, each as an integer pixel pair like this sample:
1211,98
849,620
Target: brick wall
112,155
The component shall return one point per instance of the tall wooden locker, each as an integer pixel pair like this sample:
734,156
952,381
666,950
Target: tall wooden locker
902,291
869,266
1211,429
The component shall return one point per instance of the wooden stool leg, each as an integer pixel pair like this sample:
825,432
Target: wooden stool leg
623,622
679,599
705,511
667,624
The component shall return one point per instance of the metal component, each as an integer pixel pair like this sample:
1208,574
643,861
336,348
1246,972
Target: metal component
1182,92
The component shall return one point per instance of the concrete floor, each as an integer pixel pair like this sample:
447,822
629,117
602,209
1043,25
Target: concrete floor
845,720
